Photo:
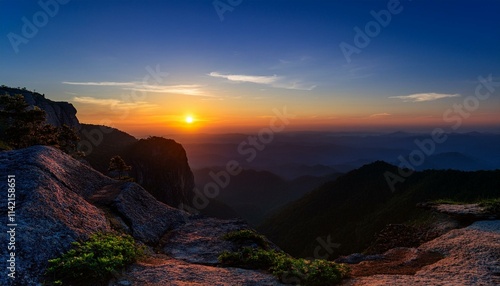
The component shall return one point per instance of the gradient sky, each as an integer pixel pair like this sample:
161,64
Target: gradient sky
229,74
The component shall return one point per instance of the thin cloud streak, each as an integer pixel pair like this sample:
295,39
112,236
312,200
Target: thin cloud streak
380,114
246,78
421,97
103,83
295,85
116,103
273,81
186,89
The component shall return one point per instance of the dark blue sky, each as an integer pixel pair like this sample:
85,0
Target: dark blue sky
262,54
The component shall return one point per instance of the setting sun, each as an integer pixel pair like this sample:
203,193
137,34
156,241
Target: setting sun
189,119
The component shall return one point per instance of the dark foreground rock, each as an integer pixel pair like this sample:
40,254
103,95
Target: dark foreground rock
466,256
462,212
145,218
163,271
60,200
50,208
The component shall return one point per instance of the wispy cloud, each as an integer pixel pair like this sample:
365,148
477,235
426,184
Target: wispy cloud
95,101
380,114
102,83
115,103
421,97
260,79
274,80
187,89
296,85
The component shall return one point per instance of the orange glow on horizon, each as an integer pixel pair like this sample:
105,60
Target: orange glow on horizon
222,118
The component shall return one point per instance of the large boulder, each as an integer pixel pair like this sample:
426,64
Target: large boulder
50,209
145,218
59,200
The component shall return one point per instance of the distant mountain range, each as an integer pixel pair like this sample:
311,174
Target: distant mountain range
255,194
291,155
353,208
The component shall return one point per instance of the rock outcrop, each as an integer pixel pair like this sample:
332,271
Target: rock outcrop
57,113
462,212
470,256
59,200
161,166
51,210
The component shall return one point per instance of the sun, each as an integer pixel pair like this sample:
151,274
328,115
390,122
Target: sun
189,119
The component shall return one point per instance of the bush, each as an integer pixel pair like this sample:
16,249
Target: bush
95,260
250,258
491,205
241,236
311,273
286,268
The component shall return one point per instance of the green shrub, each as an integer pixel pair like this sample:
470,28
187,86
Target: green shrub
286,268
311,273
491,205
95,260
241,236
250,258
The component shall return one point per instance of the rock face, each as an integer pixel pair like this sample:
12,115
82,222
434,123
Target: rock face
56,204
200,241
165,271
51,211
60,200
57,113
464,212
145,218
470,256
160,165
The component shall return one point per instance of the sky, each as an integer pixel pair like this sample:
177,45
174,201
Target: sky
229,65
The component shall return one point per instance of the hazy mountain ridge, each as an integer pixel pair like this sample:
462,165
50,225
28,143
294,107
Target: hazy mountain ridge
256,194
360,203
342,152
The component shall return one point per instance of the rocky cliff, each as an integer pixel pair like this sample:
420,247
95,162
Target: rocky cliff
161,166
59,200
57,113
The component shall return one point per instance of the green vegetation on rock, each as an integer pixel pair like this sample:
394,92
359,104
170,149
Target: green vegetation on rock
286,268
21,127
95,260
247,235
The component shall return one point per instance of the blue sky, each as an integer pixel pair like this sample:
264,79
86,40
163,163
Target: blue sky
263,54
